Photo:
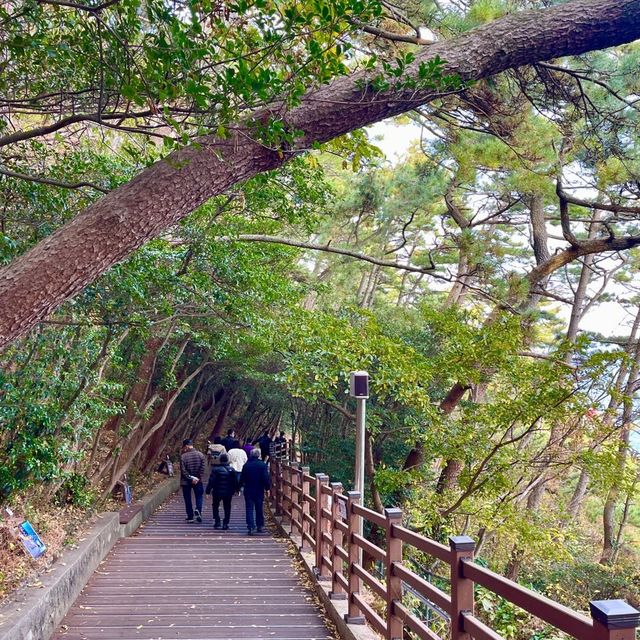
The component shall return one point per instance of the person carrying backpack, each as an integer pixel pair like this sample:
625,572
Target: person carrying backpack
222,485
215,450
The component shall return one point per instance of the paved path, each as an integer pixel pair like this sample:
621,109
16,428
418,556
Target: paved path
188,581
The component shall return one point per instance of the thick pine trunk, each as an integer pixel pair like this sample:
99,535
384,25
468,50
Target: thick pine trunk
60,266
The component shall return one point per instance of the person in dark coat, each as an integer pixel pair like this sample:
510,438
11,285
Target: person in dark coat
191,471
264,442
256,480
279,447
229,441
222,485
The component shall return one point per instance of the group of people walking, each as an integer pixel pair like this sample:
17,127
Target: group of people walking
234,468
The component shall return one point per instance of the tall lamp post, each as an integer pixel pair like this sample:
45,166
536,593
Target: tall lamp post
359,389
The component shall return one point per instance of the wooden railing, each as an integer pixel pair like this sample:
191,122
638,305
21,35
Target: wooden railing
329,522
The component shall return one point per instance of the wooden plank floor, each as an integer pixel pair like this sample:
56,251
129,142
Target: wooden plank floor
176,580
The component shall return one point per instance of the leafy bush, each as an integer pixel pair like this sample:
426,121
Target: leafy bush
76,490
575,585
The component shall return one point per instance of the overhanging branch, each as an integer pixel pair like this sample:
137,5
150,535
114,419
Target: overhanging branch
330,249
52,181
64,263
598,245
614,208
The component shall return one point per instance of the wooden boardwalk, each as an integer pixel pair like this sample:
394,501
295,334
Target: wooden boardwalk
176,580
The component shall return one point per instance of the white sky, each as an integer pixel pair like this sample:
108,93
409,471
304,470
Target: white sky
607,318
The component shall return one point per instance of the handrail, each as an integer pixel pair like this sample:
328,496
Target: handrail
423,544
559,616
368,514
478,629
373,583
341,526
369,547
330,521
414,624
372,617
341,553
424,588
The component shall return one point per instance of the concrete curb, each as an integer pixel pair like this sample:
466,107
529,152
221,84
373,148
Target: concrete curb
35,613
335,609
149,504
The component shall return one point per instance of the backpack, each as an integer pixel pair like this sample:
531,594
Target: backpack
214,454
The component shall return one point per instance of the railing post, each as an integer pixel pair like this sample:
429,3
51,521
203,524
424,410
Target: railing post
286,490
337,592
277,485
354,616
321,501
614,620
461,587
294,496
306,491
394,584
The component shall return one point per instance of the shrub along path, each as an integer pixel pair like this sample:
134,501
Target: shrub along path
176,580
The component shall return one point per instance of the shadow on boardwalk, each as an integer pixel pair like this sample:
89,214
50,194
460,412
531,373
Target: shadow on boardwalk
188,581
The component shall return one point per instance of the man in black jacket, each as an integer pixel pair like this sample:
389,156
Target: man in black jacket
264,442
222,485
255,480
229,441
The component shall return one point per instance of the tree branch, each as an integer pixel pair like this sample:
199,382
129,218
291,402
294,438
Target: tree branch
51,181
81,7
97,118
614,208
329,249
565,222
345,412
598,245
390,35
62,264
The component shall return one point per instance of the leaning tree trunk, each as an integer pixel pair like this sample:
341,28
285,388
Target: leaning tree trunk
122,467
60,266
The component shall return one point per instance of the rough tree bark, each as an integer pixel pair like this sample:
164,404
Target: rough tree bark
64,263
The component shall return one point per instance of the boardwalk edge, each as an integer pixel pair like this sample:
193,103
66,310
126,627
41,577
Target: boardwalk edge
335,609
149,504
34,613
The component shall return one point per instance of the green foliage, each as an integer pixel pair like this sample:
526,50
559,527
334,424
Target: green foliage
576,583
504,617
148,57
76,490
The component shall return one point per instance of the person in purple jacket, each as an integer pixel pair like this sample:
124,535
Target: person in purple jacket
247,446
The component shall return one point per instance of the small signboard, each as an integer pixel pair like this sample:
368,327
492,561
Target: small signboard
31,540
128,493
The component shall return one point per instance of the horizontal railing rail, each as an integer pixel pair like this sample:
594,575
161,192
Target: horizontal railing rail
330,523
